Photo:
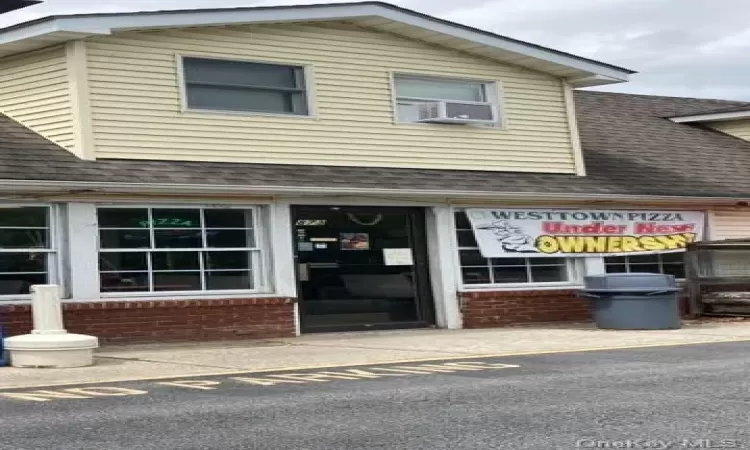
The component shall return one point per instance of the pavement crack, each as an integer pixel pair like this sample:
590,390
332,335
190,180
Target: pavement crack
402,349
176,363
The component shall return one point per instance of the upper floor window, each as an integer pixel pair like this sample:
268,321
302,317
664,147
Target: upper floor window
667,263
27,249
178,249
224,85
412,91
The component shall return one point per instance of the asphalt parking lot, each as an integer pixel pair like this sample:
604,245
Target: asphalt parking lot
692,396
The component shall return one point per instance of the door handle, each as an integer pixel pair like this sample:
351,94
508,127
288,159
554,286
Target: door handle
324,265
303,272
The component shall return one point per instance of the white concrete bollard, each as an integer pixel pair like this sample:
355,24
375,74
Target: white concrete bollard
46,310
49,345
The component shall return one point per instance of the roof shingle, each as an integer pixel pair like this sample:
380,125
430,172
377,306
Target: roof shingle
630,148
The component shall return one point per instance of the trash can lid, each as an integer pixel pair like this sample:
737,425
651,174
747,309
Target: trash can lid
631,282
652,291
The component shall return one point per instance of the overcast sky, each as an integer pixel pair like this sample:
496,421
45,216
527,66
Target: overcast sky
696,48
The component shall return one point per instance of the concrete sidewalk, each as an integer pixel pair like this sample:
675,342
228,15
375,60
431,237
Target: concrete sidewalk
155,361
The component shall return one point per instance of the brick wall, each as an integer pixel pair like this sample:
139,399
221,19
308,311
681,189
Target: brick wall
499,308
174,320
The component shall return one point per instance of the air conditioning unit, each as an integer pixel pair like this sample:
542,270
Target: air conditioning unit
457,112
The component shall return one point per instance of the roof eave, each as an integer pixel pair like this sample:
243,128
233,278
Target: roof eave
208,190
15,5
595,80
104,24
715,117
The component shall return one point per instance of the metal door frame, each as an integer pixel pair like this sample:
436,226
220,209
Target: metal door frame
423,286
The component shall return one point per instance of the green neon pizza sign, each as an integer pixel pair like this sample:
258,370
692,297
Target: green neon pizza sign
169,222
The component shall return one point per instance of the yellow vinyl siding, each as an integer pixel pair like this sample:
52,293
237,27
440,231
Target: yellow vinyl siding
736,128
730,223
136,103
35,91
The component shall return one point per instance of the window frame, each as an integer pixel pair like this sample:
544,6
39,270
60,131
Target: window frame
659,261
573,267
55,257
260,254
307,73
493,92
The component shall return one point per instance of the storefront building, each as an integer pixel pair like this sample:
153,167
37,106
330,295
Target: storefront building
135,271
268,172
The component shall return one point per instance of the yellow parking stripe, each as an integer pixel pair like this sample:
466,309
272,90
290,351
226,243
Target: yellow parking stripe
404,361
271,379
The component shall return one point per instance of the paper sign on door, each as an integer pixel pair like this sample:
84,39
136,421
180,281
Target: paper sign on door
398,257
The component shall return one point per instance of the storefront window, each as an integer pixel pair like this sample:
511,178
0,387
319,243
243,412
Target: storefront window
477,270
26,249
178,249
667,263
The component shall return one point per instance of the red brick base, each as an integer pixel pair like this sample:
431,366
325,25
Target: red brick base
500,308
174,320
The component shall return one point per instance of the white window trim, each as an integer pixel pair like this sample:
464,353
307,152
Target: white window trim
166,297
574,267
281,260
627,262
307,68
260,261
520,287
493,92
54,263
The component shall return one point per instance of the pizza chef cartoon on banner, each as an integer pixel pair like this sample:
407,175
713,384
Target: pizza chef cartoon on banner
558,232
511,238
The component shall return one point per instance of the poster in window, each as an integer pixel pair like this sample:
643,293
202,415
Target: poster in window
583,232
354,241
398,257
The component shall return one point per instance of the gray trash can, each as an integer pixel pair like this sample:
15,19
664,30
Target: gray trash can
634,301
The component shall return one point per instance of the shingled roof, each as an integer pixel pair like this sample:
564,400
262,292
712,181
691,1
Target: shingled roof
745,107
631,148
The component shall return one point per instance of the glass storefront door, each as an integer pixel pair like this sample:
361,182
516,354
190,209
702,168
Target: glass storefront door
361,268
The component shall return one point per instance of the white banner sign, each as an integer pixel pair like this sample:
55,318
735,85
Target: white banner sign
582,232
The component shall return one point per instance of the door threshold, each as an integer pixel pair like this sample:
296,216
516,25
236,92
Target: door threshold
365,328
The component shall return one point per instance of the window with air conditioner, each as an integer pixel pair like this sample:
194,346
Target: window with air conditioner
436,100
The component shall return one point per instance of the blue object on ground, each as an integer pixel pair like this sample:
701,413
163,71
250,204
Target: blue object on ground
3,360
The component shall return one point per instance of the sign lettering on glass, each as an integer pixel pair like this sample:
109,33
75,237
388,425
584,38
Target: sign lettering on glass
557,232
311,222
169,222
